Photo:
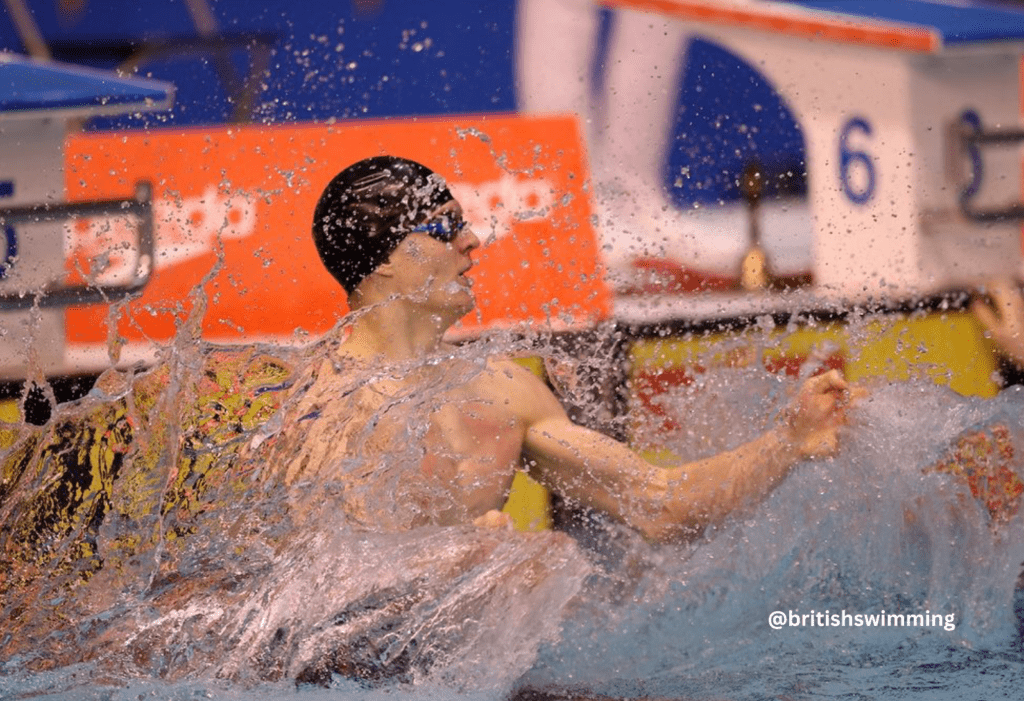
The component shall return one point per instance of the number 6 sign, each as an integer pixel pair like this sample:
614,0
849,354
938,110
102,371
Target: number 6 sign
856,170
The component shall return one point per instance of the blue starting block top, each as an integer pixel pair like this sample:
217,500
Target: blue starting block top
962,23
36,88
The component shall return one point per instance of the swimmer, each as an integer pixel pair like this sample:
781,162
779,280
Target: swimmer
391,233
1003,318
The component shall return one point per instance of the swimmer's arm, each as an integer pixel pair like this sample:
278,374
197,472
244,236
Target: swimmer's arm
667,503
662,503
1004,318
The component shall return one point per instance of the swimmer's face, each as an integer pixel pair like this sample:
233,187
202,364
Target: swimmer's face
431,263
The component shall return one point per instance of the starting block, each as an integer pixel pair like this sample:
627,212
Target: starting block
910,112
38,100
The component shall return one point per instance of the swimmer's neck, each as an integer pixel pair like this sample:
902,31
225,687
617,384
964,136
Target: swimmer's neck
393,333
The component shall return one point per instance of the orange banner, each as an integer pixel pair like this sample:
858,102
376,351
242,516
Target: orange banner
233,209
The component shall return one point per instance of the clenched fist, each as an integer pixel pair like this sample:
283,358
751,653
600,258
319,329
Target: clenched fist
818,411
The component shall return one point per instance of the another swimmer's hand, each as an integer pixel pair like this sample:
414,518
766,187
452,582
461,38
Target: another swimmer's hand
1003,319
495,519
818,412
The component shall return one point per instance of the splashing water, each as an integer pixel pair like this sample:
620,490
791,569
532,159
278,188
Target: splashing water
892,524
179,535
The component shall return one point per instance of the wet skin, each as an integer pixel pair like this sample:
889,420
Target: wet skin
470,424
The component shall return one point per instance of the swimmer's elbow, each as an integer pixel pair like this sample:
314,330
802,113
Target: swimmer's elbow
665,518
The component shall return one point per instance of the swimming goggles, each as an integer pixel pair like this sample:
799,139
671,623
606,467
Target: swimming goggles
442,228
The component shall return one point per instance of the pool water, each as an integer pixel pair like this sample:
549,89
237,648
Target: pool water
917,513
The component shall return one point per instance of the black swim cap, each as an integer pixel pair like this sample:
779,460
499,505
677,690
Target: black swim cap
366,211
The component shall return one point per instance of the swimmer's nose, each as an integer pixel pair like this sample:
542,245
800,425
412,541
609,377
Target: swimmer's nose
467,241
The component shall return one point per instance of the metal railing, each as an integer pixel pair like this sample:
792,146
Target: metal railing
139,207
970,136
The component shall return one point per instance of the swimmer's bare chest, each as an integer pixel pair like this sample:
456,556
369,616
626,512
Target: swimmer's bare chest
454,426
474,445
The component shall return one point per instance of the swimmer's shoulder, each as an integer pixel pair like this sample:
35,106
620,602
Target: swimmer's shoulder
327,378
521,390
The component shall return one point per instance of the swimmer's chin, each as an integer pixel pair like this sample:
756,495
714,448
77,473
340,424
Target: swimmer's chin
470,305
462,290
461,284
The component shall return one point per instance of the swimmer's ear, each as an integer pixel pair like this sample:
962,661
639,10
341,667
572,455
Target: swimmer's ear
385,269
